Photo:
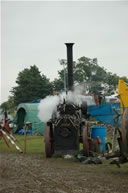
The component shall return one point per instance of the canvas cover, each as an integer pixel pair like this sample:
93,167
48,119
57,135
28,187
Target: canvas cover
28,112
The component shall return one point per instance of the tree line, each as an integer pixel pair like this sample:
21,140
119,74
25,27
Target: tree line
32,85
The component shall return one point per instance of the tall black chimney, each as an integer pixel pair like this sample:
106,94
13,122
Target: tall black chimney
70,65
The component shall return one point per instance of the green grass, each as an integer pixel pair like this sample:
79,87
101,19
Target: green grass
34,144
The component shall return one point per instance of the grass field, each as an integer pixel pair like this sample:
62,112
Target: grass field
34,144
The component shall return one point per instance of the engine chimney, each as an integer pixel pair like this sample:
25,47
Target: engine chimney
70,65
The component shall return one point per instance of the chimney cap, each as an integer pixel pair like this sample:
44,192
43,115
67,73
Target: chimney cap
69,44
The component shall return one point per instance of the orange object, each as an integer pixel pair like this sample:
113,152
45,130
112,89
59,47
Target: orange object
99,140
117,101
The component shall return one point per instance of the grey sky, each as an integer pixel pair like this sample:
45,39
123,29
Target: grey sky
34,32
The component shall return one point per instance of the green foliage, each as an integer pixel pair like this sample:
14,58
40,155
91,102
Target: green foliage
31,85
4,106
112,82
83,70
8,105
58,84
92,76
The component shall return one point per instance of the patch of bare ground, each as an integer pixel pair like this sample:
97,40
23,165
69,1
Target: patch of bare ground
21,173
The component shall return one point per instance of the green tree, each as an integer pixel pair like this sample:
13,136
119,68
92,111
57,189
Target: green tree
31,85
58,84
4,106
61,82
93,77
8,105
88,72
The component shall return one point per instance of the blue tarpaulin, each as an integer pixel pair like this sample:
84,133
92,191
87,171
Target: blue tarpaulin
28,132
105,113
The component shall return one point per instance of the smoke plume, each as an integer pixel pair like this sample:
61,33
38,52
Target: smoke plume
46,107
49,105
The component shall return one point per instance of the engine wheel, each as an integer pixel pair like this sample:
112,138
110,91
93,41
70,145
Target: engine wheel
85,136
48,142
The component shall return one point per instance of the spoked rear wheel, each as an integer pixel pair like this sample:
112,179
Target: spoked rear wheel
85,135
48,142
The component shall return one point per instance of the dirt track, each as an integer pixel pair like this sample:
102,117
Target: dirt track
35,174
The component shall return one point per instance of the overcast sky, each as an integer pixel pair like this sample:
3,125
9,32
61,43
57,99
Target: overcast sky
34,32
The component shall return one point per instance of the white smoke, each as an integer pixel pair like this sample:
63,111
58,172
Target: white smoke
76,96
49,105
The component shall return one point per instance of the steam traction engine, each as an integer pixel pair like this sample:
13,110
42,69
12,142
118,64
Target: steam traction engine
67,126
65,132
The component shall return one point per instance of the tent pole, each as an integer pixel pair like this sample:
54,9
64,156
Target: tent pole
25,139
